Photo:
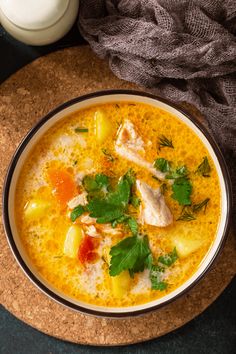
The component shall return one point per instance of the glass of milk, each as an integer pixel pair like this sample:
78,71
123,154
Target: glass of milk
38,22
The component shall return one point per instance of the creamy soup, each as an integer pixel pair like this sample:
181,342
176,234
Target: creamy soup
118,204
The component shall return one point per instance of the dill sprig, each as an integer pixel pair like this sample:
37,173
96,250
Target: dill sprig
156,178
197,207
204,168
165,142
108,155
81,130
189,213
186,215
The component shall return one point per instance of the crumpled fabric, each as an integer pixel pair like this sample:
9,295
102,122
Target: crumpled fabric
183,50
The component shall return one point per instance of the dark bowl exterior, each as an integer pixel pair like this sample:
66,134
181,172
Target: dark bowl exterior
20,150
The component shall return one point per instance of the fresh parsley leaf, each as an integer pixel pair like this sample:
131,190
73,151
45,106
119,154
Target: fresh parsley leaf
120,220
135,201
133,225
204,168
81,130
197,207
182,190
102,180
132,254
120,197
162,165
113,205
164,142
156,273
130,176
186,215
100,207
168,259
95,183
89,183
129,220
109,216
108,155
76,212
181,171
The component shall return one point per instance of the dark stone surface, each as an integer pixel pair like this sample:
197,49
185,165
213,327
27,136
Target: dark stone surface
214,331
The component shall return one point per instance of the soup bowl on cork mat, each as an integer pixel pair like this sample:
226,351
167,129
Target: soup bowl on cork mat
98,210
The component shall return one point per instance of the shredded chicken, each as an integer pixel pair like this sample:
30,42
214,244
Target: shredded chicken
92,231
153,210
86,219
108,229
80,199
129,145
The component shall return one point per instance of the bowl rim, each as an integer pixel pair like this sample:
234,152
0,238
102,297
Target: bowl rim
20,149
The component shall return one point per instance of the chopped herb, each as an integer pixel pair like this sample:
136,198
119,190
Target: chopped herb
108,155
186,215
156,178
76,212
181,171
121,195
130,176
197,207
81,130
133,225
132,254
204,168
117,106
182,190
108,205
75,162
135,201
162,165
113,205
156,273
121,220
95,183
163,188
164,142
168,259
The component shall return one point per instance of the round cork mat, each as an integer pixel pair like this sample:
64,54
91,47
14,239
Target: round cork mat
24,98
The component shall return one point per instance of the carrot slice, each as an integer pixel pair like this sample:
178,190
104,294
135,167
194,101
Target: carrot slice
63,184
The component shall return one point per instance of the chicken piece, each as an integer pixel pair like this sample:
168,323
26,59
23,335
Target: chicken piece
92,231
153,210
108,229
86,219
80,199
129,145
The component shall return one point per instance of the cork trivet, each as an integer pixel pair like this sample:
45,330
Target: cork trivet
24,98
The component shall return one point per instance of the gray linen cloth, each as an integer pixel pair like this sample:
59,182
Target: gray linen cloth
183,49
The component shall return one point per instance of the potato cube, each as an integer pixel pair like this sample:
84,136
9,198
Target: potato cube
36,208
103,126
120,284
185,246
72,241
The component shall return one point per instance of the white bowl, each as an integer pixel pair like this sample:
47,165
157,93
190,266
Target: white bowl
33,137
